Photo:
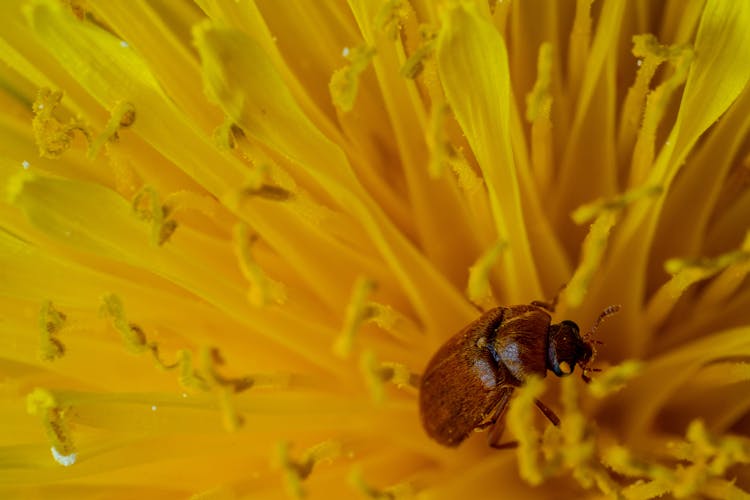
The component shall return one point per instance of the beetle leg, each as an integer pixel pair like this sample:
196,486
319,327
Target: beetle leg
548,413
498,421
549,306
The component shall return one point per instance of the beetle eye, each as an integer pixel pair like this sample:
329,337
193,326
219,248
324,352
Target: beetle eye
572,326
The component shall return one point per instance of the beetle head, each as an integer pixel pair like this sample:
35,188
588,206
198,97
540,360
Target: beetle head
566,348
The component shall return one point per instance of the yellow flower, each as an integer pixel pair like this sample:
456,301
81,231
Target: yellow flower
234,233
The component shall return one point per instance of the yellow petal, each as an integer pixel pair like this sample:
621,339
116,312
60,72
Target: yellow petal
473,66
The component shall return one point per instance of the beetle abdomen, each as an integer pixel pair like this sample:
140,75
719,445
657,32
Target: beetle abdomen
462,383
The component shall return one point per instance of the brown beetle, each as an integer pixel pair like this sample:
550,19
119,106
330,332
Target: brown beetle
469,381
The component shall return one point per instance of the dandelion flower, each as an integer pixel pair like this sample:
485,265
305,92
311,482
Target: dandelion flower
234,232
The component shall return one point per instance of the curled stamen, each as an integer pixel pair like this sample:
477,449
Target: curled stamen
263,290
395,492
52,137
614,378
147,206
345,81
210,359
51,321
189,200
391,17
43,403
392,321
478,288
122,115
592,253
617,203
132,334
224,135
357,312
268,192
378,374
686,272
296,471
414,65
441,150
189,378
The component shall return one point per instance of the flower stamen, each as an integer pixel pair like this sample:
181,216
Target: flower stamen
708,459
263,290
51,321
414,65
357,312
122,115
392,16
296,471
132,334
686,272
538,109
651,54
345,81
378,374
606,213
147,206
614,378
520,423
657,103
52,137
43,403
441,150
478,289
396,492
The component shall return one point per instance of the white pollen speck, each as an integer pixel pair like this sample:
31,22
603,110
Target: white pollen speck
125,44
153,408
25,164
639,62
41,106
184,394
345,52
64,460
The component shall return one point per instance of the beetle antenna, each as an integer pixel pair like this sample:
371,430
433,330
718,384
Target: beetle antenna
608,311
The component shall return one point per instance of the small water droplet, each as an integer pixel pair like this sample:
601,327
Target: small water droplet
345,52
25,164
125,44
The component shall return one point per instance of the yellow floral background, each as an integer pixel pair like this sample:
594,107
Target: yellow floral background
233,232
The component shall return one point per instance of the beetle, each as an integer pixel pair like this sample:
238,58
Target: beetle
469,381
